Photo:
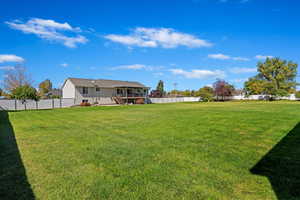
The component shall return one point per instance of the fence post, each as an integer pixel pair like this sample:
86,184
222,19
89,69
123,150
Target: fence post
15,104
36,105
60,103
52,103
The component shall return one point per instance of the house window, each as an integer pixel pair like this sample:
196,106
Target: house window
97,89
85,90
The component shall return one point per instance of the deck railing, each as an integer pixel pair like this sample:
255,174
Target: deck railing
132,95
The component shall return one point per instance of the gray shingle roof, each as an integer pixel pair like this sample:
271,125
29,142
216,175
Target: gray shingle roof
104,83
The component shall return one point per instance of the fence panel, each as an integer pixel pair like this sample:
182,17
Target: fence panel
12,104
30,105
45,104
7,104
56,103
67,102
20,105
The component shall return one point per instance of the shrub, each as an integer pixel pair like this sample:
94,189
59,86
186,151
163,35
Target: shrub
297,94
140,101
55,97
24,92
85,104
206,93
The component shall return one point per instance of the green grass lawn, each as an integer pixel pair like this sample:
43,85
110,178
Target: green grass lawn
231,150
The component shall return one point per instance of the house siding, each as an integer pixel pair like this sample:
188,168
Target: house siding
107,92
68,91
93,95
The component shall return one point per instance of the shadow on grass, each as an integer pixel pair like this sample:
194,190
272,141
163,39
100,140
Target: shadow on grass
13,179
281,165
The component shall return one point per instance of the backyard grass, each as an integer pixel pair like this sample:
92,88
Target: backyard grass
230,150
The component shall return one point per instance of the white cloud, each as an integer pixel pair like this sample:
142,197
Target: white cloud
220,56
7,67
137,67
199,74
10,58
49,30
239,70
131,40
262,57
133,67
51,24
64,64
158,74
158,37
240,58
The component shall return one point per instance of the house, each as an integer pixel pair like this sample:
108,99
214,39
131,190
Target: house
104,91
57,93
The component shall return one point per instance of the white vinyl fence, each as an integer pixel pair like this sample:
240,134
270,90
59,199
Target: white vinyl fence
237,97
174,99
263,97
12,104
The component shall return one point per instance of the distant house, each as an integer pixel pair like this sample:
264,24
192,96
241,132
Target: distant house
103,91
156,94
57,93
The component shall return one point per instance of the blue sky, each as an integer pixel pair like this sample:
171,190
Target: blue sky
188,42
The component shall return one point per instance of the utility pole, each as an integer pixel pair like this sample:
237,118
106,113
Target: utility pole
175,88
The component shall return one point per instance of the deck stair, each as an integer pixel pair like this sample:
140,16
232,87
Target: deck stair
106,101
118,100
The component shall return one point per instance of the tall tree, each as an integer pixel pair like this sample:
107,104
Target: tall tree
222,89
186,93
1,92
275,77
45,87
16,78
160,87
255,86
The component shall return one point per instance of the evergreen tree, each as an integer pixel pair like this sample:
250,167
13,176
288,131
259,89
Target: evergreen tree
160,87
